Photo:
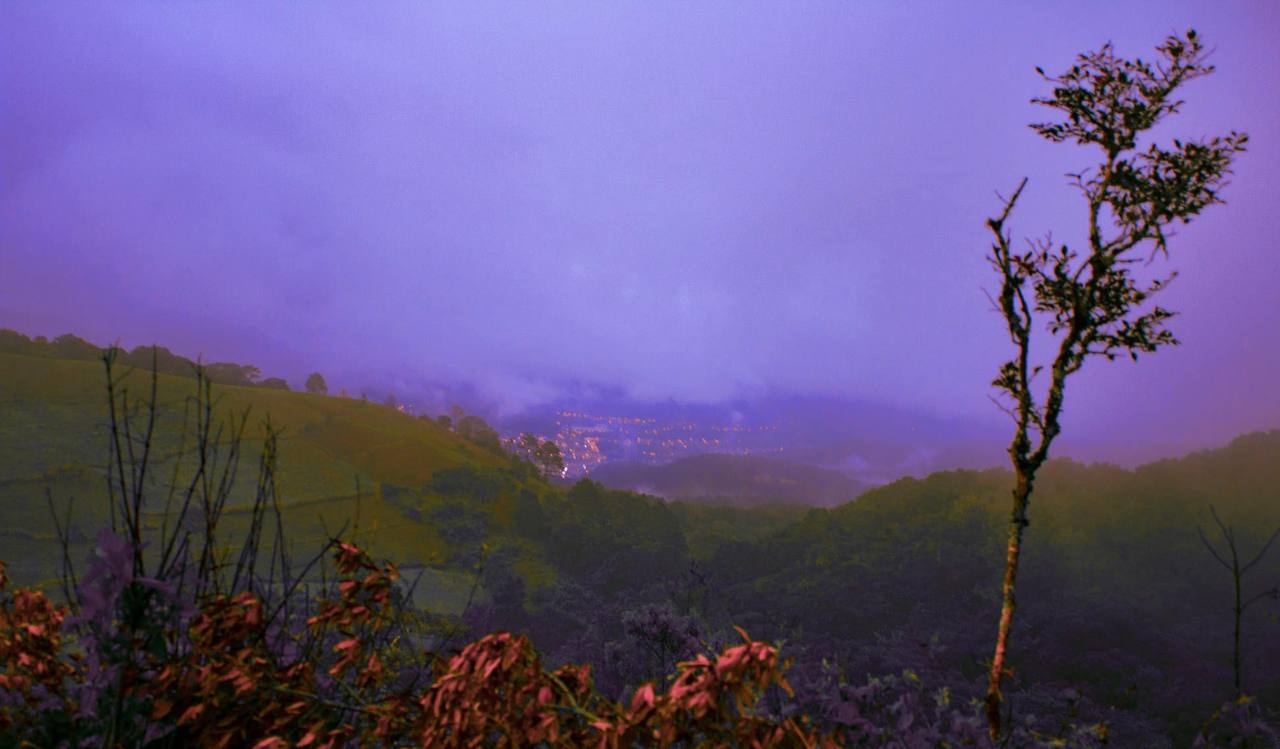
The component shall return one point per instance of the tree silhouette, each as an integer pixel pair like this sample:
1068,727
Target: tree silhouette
1238,571
550,459
527,446
316,384
1091,302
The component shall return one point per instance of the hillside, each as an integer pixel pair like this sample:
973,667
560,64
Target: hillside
405,488
1117,594
54,440
742,480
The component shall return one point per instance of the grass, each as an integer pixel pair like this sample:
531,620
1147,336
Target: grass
54,442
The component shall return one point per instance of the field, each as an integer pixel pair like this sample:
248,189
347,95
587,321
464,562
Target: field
335,456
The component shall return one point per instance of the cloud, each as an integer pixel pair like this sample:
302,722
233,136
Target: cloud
689,202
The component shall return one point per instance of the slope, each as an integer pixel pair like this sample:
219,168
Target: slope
733,479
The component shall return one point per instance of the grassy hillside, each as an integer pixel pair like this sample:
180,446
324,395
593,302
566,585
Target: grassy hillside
54,441
55,414
1117,596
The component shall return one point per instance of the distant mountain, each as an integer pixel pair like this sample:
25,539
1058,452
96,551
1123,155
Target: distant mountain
736,479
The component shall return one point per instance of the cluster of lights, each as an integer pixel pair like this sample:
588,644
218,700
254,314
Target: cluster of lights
587,440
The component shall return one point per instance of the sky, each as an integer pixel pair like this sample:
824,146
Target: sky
686,201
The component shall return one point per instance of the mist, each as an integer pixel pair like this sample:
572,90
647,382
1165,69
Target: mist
669,203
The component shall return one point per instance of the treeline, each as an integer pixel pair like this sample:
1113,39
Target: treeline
471,427
73,347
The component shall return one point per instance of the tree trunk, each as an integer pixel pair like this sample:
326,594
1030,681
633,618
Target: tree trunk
1017,524
1235,654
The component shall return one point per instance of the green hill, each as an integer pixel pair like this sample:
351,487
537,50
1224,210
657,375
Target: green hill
407,489
741,480
1117,591
54,442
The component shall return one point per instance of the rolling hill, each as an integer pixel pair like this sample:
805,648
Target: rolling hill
741,480
335,455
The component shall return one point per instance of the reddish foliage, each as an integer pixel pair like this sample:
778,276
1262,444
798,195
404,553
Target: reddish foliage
495,693
224,684
230,689
33,670
715,702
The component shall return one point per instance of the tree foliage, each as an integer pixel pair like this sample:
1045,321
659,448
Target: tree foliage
550,458
1092,302
316,384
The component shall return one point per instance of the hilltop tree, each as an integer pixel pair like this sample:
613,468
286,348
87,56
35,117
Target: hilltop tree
316,385
68,346
229,373
527,446
550,459
477,430
1091,301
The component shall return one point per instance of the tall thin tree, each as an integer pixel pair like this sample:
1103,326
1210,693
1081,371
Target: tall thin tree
1091,302
1238,571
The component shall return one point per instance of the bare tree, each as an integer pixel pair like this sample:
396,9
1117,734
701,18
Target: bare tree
1238,571
1091,303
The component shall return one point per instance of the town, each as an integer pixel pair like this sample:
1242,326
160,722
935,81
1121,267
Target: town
588,440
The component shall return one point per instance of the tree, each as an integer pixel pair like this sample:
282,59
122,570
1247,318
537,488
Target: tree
527,446
68,346
1238,571
550,459
274,383
478,431
13,342
1092,303
316,385
229,373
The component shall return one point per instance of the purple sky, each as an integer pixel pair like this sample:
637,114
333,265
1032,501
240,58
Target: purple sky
696,201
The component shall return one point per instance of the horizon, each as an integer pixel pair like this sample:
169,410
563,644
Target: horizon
978,449
724,209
